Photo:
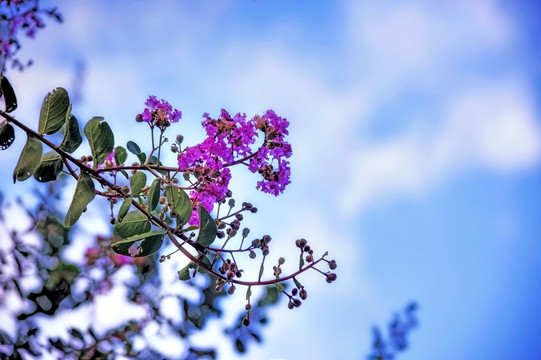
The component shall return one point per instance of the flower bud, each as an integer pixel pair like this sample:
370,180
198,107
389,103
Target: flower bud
294,291
245,232
139,118
290,305
246,321
331,277
253,210
281,261
302,294
301,243
180,138
231,290
252,254
332,264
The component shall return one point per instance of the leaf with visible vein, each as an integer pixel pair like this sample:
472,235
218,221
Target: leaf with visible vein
29,160
101,139
84,194
137,182
207,228
124,208
53,111
134,223
150,243
49,168
72,135
154,195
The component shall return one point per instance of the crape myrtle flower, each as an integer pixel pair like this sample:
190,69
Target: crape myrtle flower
229,141
159,113
270,159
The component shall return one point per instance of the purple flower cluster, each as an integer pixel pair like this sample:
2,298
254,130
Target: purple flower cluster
19,16
229,142
159,113
275,151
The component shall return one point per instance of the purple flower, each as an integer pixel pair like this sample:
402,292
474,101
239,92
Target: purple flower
160,113
229,141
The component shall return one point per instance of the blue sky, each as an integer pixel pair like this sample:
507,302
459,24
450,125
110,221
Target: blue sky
416,138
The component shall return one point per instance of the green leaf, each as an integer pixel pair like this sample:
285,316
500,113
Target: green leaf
123,172
72,135
53,111
50,166
150,243
84,193
101,139
261,269
205,262
207,228
133,148
7,135
142,158
153,160
29,160
184,273
180,201
154,195
271,296
297,283
280,286
137,182
134,223
248,293
136,150
9,94
124,209
120,155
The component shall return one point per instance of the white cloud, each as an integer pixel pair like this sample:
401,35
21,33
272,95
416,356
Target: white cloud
490,125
